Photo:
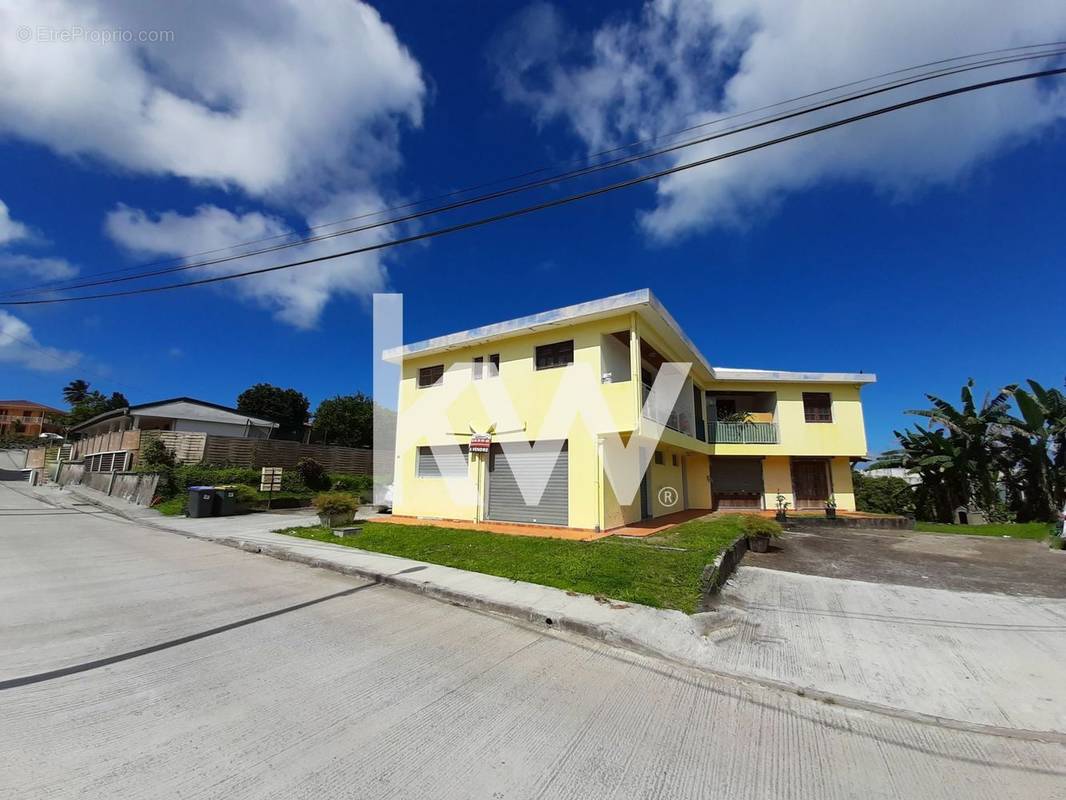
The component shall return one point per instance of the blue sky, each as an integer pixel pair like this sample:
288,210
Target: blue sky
926,249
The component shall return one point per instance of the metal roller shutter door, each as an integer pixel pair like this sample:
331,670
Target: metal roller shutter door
506,502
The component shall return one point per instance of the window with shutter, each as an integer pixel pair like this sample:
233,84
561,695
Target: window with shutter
558,354
817,407
431,376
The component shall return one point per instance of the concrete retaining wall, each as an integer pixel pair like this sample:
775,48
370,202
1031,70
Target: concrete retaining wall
70,473
13,459
878,523
134,487
715,575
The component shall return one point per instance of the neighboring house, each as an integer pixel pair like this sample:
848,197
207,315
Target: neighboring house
911,478
736,438
110,442
26,418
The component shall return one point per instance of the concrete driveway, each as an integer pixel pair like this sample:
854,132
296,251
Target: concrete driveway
136,663
965,628
933,561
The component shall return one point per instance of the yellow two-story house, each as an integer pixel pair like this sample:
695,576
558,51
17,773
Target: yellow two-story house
519,422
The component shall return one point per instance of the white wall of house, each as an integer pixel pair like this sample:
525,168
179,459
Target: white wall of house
219,429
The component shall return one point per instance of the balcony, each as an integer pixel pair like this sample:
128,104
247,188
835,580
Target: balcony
675,419
742,432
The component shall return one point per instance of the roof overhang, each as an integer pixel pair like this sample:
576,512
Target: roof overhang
779,376
641,302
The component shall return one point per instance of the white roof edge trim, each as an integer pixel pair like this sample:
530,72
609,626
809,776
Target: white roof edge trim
627,301
779,376
558,316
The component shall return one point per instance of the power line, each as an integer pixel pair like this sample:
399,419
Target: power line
563,200
64,286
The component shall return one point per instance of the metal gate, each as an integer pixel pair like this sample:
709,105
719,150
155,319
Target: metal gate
505,500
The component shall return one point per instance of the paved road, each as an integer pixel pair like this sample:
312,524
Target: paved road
245,677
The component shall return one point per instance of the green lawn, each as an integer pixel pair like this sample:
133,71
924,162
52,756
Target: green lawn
1023,530
662,571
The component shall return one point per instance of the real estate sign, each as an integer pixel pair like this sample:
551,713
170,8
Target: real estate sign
270,479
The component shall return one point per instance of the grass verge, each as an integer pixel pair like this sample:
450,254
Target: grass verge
1015,530
661,571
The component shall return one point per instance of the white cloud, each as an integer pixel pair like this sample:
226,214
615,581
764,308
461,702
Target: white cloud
16,267
296,296
19,346
276,97
47,269
10,230
681,62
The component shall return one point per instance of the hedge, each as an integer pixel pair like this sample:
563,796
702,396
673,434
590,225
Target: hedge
176,480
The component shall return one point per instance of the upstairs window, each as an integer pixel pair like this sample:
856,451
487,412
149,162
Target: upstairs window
479,368
817,407
430,376
658,457
554,355
494,365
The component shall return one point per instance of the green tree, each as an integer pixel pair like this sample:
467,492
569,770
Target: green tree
75,391
346,420
883,494
940,461
287,407
1033,453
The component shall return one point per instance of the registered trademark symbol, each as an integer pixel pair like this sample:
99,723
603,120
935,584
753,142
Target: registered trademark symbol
668,496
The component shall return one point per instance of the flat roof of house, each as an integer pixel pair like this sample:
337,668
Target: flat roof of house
641,301
142,407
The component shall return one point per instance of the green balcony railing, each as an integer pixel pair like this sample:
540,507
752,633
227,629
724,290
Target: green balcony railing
742,432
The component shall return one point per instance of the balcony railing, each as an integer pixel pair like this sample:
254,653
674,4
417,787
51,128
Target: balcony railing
673,419
742,432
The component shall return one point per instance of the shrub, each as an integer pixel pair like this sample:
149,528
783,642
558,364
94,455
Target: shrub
247,496
332,503
336,507
312,473
363,485
883,495
155,454
754,525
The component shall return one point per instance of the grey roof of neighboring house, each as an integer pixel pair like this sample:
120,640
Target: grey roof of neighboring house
141,409
641,301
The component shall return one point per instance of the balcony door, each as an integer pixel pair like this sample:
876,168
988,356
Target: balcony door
810,483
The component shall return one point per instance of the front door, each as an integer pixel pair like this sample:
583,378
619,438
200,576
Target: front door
810,481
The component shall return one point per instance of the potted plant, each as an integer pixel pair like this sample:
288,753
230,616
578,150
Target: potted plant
782,508
336,508
759,532
831,507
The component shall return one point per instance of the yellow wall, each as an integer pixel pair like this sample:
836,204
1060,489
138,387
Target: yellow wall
532,393
699,487
777,479
844,436
456,407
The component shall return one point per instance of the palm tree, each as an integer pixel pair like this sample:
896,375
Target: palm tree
976,430
1034,449
76,391
939,460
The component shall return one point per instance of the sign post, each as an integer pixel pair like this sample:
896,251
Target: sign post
270,481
